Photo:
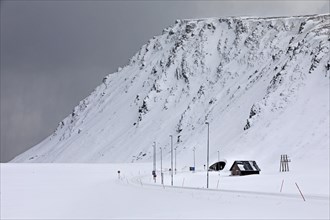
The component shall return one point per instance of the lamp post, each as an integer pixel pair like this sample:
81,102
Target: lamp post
175,161
154,170
219,160
194,159
171,160
161,166
207,160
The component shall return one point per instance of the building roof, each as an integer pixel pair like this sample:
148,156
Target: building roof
246,165
218,164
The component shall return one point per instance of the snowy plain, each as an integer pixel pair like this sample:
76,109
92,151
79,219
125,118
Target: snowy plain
94,191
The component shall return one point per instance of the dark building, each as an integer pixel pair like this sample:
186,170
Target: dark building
244,167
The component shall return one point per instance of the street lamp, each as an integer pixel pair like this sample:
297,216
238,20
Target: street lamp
219,160
175,161
194,159
207,161
171,160
161,166
154,170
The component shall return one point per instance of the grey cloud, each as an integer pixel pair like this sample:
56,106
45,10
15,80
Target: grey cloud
262,8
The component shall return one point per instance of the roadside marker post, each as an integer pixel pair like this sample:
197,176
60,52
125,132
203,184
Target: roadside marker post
282,185
300,192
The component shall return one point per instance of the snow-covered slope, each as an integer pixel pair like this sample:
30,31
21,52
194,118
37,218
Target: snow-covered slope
261,83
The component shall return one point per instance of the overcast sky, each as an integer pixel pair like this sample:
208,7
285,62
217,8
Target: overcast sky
54,53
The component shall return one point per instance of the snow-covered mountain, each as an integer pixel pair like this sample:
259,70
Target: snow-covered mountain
261,83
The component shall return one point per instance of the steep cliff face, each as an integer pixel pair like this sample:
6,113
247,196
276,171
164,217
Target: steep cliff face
261,83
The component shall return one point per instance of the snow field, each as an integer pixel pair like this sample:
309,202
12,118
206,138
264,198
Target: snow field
93,191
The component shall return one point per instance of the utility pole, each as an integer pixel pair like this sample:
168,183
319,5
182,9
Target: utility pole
154,170
171,160
175,161
208,149
219,161
194,159
161,166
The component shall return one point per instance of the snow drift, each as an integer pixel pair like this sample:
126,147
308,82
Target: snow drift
261,83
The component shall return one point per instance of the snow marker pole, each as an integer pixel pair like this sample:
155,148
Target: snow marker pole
300,192
282,185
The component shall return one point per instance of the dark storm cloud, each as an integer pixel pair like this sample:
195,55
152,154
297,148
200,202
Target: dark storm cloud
54,53
263,8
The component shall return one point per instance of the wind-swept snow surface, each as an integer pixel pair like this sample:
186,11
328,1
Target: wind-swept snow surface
93,191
